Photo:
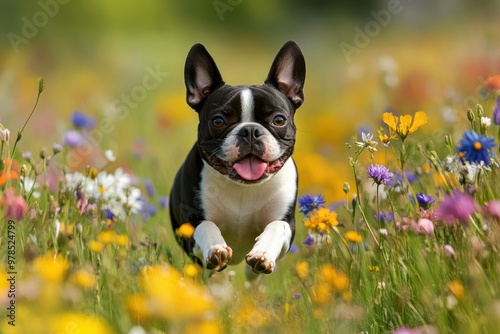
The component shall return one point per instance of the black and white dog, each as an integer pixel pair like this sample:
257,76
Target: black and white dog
238,185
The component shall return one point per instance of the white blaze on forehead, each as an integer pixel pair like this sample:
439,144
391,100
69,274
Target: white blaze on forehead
247,105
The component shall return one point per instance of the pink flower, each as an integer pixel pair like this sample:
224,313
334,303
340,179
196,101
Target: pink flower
456,206
449,251
424,226
15,206
492,208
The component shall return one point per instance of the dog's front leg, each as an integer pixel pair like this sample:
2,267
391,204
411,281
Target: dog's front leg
211,247
271,244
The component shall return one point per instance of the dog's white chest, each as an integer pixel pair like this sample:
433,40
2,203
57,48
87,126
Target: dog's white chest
242,211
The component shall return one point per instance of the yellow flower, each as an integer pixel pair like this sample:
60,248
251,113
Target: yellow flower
121,240
191,270
78,323
186,230
250,315
403,125
457,289
320,220
354,237
373,268
384,138
95,246
170,297
302,269
321,293
137,307
106,237
205,327
337,280
83,278
51,267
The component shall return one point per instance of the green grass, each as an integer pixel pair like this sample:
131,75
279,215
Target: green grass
390,280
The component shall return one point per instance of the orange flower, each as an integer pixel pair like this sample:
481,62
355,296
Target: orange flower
406,124
493,82
8,175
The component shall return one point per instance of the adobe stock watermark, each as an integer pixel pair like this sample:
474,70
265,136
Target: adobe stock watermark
223,6
372,29
31,26
122,107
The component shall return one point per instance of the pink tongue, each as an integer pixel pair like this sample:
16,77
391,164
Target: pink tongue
250,168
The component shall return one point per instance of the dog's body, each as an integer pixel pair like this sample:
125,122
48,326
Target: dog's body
238,185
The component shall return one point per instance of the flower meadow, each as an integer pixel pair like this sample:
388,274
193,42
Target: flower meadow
413,247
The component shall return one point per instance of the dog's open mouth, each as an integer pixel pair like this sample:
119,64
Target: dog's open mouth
248,169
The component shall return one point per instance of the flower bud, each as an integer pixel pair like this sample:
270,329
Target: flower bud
56,148
40,85
43,153
23,170
479,110
346,187
470,115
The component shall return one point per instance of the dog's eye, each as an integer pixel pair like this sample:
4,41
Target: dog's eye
279,120
218,121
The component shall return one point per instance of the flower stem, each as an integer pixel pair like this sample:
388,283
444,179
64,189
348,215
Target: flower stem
20,132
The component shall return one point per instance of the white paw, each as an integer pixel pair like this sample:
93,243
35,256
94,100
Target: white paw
259,263
218,256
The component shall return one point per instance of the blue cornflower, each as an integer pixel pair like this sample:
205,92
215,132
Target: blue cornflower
425,201
150,188
379,173
309,241
496,112
476,148
164,201
309,203
385,217
109,215
82,121
294,249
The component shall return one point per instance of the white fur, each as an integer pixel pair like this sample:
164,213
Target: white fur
247,106
238,213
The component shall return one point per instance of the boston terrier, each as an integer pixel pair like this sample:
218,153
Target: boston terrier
238,184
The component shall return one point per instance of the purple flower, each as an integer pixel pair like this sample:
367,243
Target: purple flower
164,202
293,249
425,201
82,121
73,138
385,217
476,148
456,206
496,112
109,215
309,242
297,296
150,188
309,203
379,173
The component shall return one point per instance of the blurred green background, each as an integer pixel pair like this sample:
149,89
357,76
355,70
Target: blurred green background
414,55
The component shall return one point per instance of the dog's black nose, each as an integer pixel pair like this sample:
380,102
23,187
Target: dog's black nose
251,131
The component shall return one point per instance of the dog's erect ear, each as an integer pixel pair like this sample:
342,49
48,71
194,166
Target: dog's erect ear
288,73
201,76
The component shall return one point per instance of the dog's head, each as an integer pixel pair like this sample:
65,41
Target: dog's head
246,132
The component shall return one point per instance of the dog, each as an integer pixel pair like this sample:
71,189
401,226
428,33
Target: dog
238,184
